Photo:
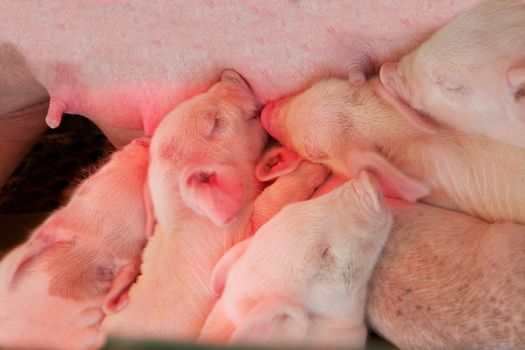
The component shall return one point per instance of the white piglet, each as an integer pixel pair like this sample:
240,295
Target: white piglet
205,195
77,266
351,128
470,74
302,279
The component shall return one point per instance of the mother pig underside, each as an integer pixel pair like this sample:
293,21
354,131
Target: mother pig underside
125,65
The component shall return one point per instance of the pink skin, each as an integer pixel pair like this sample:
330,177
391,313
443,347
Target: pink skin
125,66
355,128
206,198
446,280
78,265
418,297
291,285
470,74
332,182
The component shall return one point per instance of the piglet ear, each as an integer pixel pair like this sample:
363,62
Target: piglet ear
516,79
369,191
118,296
223,266
216,191
390,88
276,162
394,183
13,265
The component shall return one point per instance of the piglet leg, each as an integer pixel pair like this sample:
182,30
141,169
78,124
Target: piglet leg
117,298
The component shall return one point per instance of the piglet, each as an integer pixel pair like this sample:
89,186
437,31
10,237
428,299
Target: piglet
352,128
446,280
205,157
302,279
77,266
470,74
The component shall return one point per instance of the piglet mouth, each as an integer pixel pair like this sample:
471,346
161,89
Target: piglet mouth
267,115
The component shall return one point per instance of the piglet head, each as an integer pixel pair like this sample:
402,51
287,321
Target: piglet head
220,124
322,121
216,191
206,149
330,123
311,122
459,91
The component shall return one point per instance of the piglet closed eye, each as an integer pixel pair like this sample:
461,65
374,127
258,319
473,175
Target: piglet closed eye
361,128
